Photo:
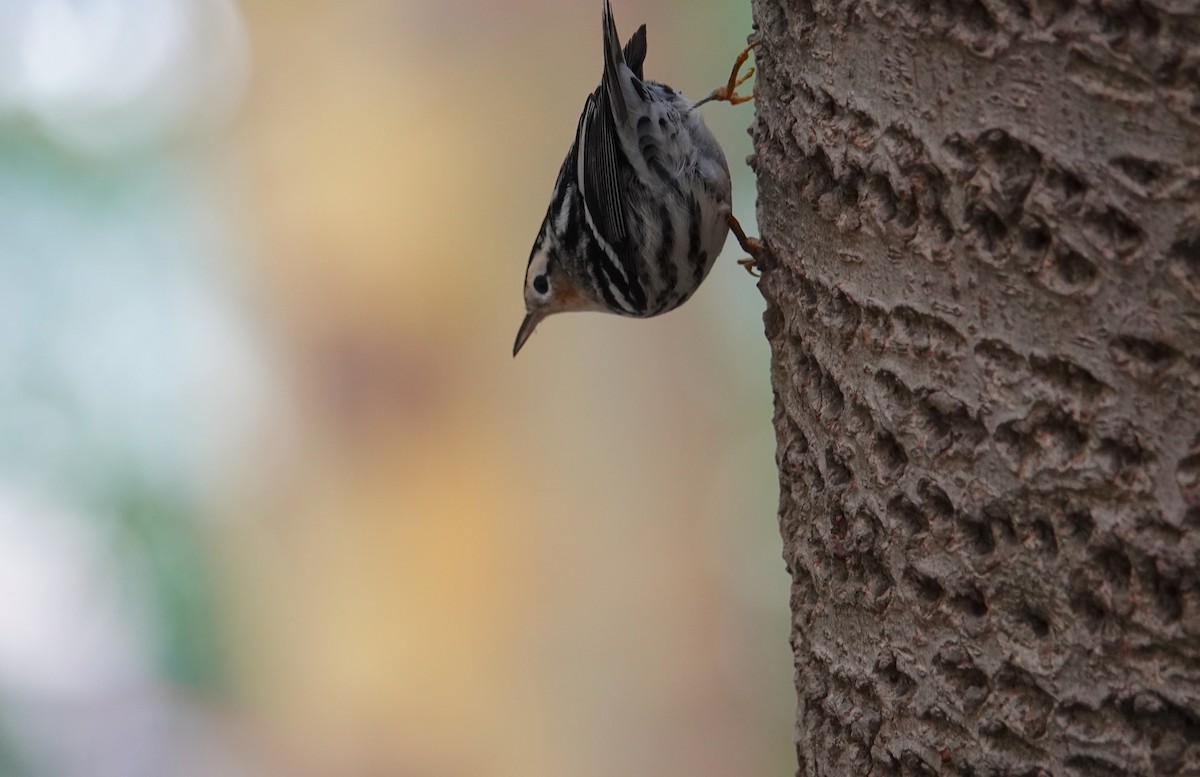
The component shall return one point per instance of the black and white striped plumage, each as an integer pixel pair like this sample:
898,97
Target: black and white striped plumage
638,214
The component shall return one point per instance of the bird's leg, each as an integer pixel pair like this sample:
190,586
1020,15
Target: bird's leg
750,245
728,92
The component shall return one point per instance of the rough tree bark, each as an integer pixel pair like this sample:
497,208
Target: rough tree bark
983,297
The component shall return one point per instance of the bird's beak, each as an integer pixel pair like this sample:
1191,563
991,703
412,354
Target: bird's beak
527,326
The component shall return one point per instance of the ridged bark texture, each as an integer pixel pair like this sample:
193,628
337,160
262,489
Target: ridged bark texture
983,292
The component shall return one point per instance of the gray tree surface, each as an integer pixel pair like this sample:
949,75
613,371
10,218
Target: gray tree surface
983,286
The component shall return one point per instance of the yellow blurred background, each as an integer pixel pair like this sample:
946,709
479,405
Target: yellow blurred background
275,499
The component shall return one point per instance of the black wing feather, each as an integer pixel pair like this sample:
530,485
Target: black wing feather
603,160
605,167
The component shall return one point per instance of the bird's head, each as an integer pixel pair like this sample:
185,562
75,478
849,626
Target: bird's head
549,289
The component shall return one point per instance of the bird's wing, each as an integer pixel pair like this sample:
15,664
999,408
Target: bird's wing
601,160
604,164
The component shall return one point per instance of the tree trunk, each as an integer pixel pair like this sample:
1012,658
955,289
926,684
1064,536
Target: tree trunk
983,286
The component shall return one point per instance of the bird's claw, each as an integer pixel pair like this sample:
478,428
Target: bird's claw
750,245
751,267
728,93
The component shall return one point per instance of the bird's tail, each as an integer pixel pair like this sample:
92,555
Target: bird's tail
614,57
633,56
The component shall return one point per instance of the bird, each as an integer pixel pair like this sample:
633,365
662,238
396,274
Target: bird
642,204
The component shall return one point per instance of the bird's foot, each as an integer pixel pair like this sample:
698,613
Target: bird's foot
750,245
728,93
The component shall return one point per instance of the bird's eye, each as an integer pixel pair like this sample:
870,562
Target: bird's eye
541,285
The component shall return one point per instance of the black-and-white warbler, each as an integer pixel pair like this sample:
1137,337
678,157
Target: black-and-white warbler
642,204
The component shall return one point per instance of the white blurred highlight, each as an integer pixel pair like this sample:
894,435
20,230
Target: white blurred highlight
72,628
105,75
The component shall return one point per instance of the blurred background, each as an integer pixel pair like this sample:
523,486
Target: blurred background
275,499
